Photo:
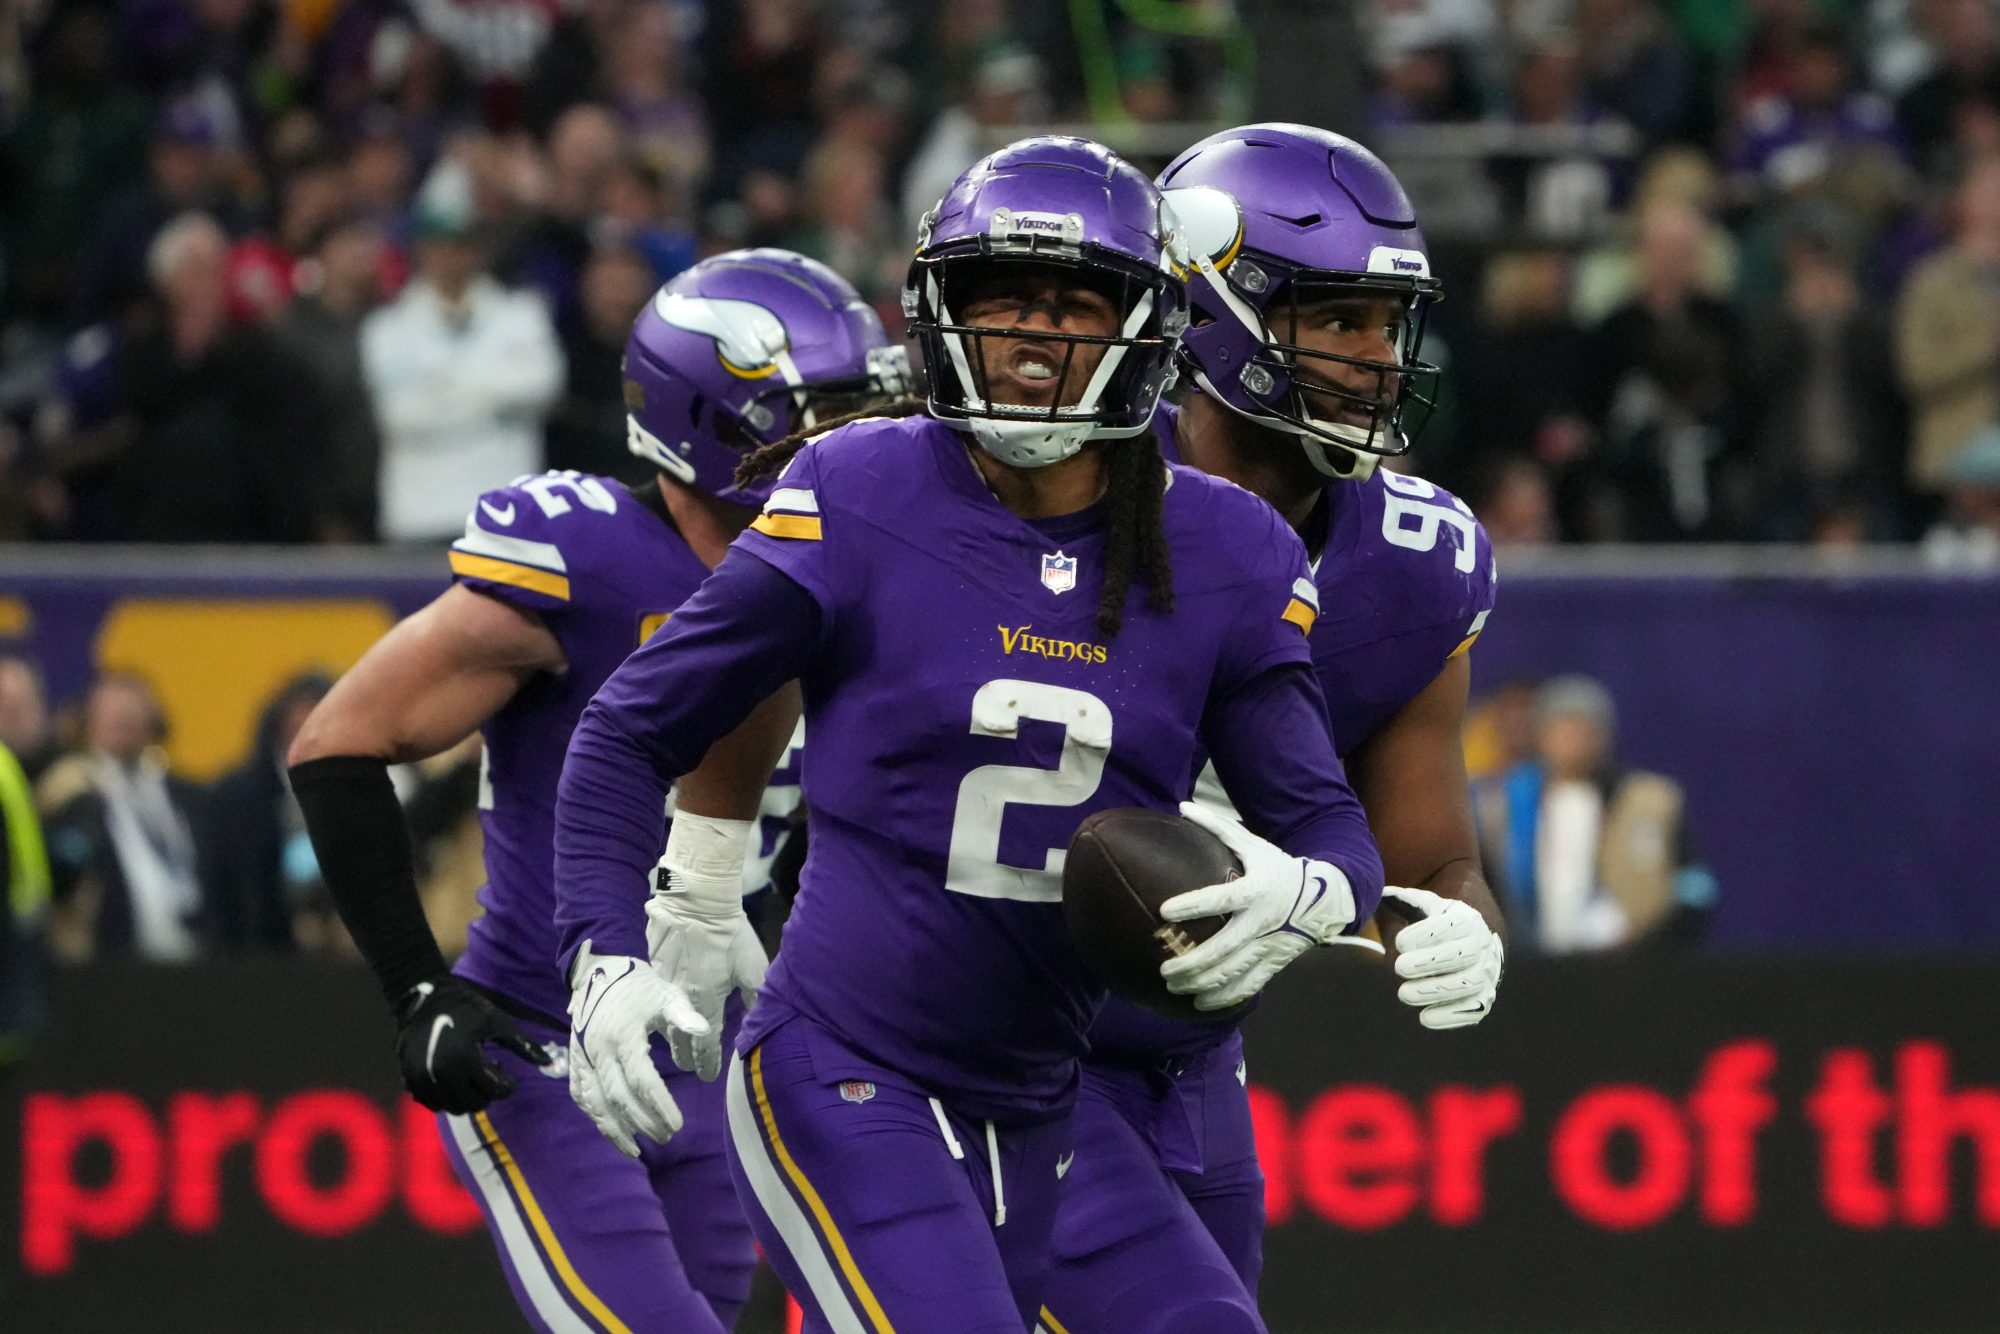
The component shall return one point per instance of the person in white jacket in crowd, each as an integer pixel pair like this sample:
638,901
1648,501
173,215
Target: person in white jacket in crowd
461,370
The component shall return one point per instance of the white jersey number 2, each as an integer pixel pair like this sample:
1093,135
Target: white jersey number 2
1413,501
997,709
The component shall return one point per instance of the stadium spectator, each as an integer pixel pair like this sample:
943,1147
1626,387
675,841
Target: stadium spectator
1965,41
586,428
223,434
1948,333
25,726
263,267
571,65
79,141
759,67
1826,422
585,149
1561,196
1968,536
461,371
1006,89
637,215
849,225
121,835
665,124
24,899
1789,140
1517,505
1588,856
339,282
1637,68
188,161
1667,401
494,41
1525,376
257,866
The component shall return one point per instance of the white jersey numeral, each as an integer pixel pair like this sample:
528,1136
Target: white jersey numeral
975,867
1414,499
544,486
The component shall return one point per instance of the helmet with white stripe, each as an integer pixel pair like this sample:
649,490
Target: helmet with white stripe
1053,202
1275,218
742,350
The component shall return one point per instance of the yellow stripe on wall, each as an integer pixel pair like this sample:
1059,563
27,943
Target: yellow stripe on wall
804,527
876,1315
564,1270
506,572
1301,614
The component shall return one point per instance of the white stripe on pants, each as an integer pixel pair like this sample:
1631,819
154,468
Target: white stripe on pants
775,1199
521,1252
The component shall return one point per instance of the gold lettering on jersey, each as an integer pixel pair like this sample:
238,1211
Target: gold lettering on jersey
1017,639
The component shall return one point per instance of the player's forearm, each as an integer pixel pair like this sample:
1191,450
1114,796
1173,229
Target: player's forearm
366,862
1270,746
725,652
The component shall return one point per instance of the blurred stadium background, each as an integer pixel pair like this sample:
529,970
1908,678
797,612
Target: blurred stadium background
1723,348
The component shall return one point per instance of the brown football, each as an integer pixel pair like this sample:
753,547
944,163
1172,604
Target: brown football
1122,865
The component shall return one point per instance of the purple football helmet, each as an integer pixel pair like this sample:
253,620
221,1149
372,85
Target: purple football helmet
1278,217
742,350
1060,202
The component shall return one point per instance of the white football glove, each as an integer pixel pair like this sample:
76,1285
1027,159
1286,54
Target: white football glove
698,936
1280,907
1451,958
615,1003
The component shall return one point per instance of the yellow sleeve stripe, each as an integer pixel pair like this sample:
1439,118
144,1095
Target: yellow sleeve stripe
876,1315
803,527
1051,1324
651,623
1299,613
1463,646
506,572
550,1246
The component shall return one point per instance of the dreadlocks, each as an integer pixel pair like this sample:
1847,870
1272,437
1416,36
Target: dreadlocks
1135,538
770,460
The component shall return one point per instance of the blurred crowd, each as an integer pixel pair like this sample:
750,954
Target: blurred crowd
112,854
318,270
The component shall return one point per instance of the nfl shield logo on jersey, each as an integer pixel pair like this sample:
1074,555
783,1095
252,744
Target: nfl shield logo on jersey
856,1090
1058,573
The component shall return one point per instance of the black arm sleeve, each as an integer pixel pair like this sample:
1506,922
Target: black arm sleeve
363,846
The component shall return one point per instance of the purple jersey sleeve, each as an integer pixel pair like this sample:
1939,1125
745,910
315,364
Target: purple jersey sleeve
1265,726
514,539
792,535
748,630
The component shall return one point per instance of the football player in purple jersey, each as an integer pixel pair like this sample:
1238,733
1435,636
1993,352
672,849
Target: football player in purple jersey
1005,613
557,578
1310,284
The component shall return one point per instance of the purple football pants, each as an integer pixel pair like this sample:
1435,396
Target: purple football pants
1161,1228
880,1208
592,1241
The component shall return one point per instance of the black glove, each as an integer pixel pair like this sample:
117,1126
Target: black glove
443,1026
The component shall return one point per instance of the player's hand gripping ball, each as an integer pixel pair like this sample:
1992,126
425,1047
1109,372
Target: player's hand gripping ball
1122,865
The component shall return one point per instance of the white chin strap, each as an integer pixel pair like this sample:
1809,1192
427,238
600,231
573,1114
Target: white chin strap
1033,441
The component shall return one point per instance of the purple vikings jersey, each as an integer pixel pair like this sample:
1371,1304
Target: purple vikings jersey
964,716
1406,580
601,568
